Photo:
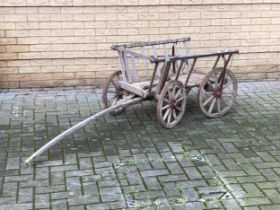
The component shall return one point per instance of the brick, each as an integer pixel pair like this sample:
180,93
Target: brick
189,15
220,36
62,17
106,31
63,76
85,32
41,76
37,3
83,17
2,49
220,21
241,21
2,34
48,69
18,33
18,77
25,10
105,17
33,40
85,75
127,31
8,56
27,25
40,32
7,26
148,30
29,69
50,25
38,17
169,16
17,48
61,3
15,18
29,55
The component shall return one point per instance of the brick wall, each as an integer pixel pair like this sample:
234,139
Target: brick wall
67,42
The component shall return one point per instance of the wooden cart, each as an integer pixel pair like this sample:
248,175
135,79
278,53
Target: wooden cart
171,78
173,75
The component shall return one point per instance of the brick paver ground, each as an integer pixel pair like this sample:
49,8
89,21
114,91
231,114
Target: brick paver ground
131,162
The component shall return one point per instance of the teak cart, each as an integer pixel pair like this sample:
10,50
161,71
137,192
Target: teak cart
173,75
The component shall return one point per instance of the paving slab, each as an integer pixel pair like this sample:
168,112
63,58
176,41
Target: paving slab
130,162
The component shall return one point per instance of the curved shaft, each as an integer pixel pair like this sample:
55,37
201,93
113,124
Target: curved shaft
51,143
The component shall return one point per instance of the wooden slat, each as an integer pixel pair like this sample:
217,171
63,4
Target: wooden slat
134,68
143,52
127,71
122,66
165,51
158,73
176,53
186,46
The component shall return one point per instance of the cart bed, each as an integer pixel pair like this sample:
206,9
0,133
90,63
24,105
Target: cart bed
141,88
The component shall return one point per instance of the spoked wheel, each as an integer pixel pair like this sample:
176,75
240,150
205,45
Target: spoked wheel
112,92
171,104
214,100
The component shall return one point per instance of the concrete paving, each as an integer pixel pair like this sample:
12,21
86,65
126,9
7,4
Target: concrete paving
131,162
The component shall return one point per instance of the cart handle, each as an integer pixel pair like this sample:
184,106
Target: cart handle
149,43
201,55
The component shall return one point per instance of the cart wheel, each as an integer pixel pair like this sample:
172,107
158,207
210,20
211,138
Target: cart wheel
213,101
112,92
171,104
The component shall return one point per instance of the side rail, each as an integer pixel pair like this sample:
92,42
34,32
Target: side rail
136,59
223,57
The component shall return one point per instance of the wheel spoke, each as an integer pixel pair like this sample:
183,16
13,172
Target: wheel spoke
227,95
169,92
212,106
174,114
210,85
180,99
216,79
208,100
169,117
166,100
178,108
177,94
218,105
166,114
223,99
173,91
227,85
165,107
115,100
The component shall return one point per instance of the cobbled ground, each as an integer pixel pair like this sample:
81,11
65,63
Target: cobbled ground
130,162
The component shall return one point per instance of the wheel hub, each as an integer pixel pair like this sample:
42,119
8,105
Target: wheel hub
218,93
172,104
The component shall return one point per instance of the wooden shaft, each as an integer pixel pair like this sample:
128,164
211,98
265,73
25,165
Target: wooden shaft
54,141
